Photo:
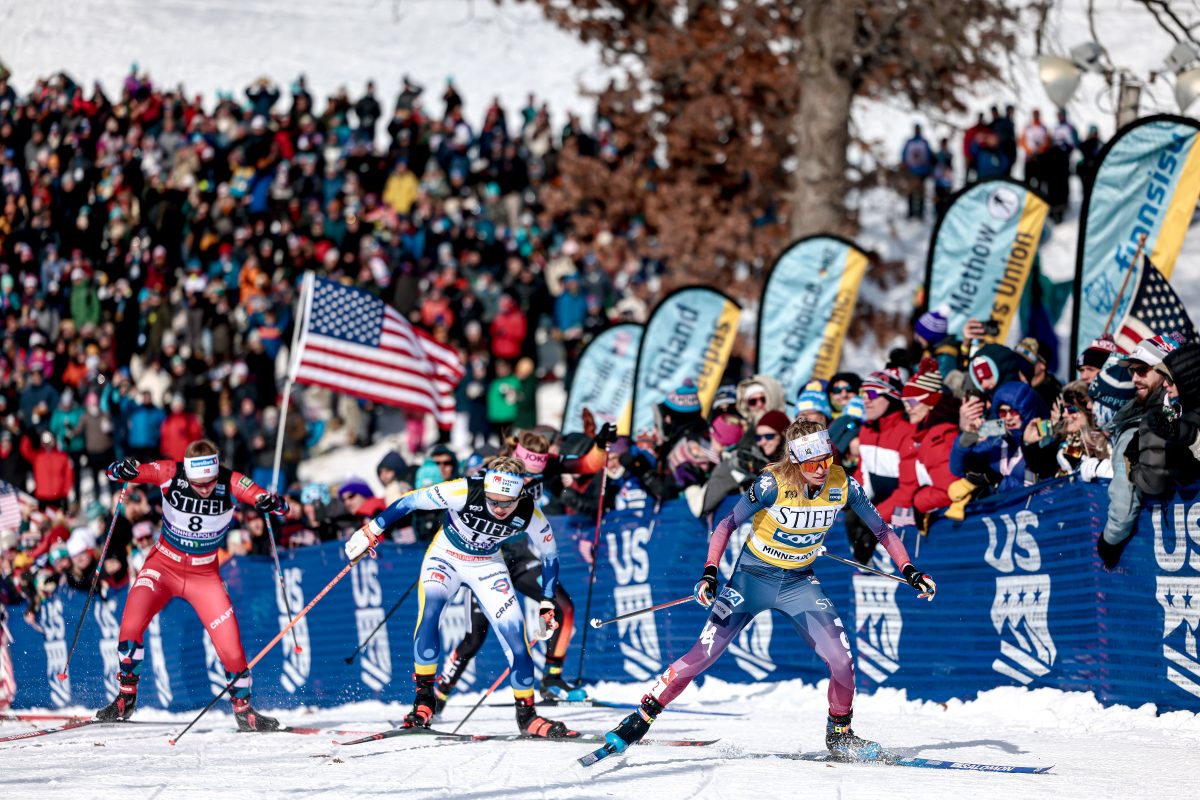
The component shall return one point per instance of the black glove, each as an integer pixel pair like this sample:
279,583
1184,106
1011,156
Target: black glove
920,581
1161,423
125,470
706,588
269,503
606,435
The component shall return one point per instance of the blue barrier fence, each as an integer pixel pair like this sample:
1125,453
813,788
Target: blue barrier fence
1023,600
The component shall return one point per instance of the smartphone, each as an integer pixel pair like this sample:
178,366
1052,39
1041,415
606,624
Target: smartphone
991,328
991,428
1044,427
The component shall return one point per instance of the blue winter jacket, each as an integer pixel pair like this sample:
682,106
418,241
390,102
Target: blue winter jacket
1000,455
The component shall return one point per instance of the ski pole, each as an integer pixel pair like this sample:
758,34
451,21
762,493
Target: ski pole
62,676
350,658
863,567
486,695
595,558
287,604
265,650
596,622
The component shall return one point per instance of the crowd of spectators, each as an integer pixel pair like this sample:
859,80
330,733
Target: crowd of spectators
151,246
150,250
993,148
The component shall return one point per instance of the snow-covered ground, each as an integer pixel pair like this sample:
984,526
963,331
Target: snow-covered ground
1095,752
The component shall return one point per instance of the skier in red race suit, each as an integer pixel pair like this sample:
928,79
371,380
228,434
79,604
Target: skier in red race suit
198,500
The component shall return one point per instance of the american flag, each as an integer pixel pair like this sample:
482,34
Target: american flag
1155,310
354,343
10,507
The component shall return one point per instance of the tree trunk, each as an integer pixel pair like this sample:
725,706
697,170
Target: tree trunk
822,124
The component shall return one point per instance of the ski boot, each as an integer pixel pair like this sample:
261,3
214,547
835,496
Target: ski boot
634,727
122,706
844,745
423,704
441,693
556,689
531,724
250,720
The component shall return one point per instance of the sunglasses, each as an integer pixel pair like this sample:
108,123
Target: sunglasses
1070,410
765,437
817,465
1007,412
912,402
841,388
443,462
756,401
1141,370
203,484
871,394
502,504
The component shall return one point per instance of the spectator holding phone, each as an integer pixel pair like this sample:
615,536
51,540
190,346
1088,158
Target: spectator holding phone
991,450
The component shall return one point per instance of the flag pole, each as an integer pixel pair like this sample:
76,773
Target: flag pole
1121,295
303,304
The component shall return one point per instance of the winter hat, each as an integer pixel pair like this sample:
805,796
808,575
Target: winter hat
1027,348
844,430
932,325
81,540
1152,351
1112,388
393,461
1182,366
886,382
855,409
355,486
844,377
813,399
620,446
59,551
1096,353
684,400
775,420
727,429
726,397
926,385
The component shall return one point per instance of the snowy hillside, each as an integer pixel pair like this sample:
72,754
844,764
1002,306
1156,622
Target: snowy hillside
1095,752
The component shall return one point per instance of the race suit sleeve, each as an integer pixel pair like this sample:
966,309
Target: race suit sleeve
862,505
586,464
541,540
245,489
450,496
762,494
155,472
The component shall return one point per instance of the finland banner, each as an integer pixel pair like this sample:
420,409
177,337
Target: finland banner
603,380
689,337
982,253
1146,184
807,303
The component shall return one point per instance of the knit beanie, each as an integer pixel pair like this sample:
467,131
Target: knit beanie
727,429
932,325
775,420
1096,353
813,399
855,409
926,385
885,381
684,400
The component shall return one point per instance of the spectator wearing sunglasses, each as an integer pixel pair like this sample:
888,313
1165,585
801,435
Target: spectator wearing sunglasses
843,387
1165,460
925,475
997,458
1078,446
1124,496
360,501
735,473
759,394
884,432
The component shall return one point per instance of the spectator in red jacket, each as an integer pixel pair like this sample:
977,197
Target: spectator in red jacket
508,330
53,473
884,432
178,430
925,457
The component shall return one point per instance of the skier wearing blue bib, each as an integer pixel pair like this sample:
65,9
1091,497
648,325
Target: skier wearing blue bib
482,512
791,505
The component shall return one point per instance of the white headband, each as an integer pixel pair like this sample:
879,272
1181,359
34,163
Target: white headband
201,468
810,447
505,483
